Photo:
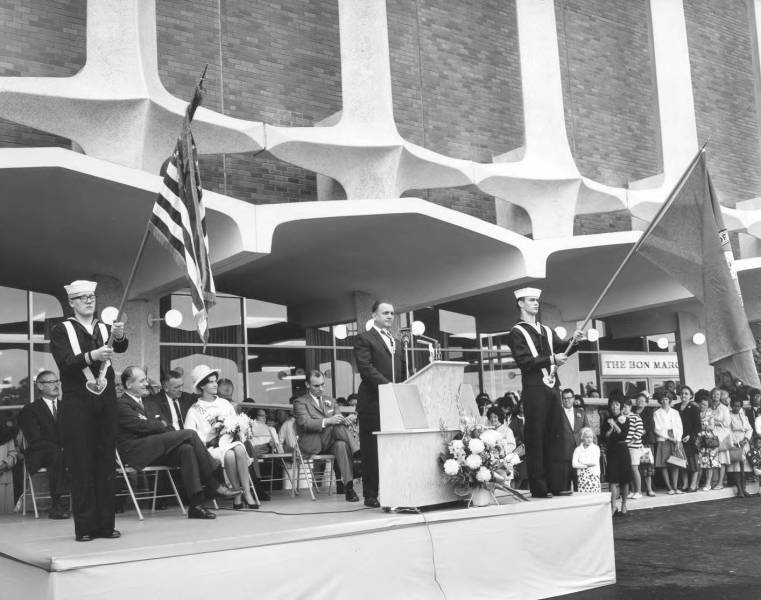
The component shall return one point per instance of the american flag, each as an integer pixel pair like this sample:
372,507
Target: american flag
178,221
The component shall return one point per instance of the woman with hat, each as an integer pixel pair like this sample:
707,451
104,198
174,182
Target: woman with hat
218,426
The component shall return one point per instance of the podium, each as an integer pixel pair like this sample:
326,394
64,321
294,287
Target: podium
412,417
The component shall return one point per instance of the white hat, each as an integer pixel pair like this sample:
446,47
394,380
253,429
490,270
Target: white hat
79,287
528,292
201,372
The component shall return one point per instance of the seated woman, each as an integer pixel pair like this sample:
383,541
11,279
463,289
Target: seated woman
495,417
207,417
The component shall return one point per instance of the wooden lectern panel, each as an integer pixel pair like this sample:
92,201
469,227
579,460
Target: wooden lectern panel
439,384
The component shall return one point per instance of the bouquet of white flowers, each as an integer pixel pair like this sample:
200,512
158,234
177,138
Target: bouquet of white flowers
238,427
477,456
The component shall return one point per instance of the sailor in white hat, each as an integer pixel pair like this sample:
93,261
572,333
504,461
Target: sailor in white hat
538,351
88,421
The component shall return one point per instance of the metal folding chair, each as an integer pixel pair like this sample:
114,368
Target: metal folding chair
306,465
125,471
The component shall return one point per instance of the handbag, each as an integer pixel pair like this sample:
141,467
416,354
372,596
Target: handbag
677,458
735,454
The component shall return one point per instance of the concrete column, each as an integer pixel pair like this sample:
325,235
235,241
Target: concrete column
694,369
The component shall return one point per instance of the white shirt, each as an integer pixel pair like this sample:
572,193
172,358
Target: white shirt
49,402
137,399
173,411
665,420
569,414
388,339
583,456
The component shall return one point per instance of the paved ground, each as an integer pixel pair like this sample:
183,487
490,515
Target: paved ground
697,551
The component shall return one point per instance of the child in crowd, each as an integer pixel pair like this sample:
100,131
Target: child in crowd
586,461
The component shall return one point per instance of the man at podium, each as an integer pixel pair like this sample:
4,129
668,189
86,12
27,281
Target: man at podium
380,359
538,351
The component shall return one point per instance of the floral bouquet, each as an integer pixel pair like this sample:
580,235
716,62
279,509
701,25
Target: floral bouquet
477,457
237,427
217,425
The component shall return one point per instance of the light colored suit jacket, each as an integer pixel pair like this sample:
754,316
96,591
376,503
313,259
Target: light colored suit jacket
309,417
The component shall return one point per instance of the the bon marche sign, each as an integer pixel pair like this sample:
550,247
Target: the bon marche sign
639,364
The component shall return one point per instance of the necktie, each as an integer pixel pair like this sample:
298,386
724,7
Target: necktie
179,414
390,338
55,410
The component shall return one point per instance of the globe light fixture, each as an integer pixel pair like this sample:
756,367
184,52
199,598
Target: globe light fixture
108,315
593,335
418,328
561,331
663,343
340,332
699,338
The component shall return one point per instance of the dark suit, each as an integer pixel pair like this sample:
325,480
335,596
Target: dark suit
316,439
43,444
158,404
565,438
540,402
144,440
88,428
374,363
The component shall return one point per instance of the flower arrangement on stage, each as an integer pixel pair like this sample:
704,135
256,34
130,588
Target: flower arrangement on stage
477,457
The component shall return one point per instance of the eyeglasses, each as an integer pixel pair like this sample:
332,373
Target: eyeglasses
85,298
49,382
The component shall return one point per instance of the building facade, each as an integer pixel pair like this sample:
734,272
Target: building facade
438,154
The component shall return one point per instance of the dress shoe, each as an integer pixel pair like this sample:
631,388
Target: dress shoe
84,537
225,492
564,493
108,534
351,496
542,495
372,502
200,512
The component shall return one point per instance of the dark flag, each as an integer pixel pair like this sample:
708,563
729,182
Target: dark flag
688,241
178,221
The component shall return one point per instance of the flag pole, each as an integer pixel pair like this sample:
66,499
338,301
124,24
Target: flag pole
144,241
632,251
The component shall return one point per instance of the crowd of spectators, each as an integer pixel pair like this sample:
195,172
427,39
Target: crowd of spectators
675,442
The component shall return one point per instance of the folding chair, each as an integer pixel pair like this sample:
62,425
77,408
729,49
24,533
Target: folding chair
307,464
27,490
280,456
151,494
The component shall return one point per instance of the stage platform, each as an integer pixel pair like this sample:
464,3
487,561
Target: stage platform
297,548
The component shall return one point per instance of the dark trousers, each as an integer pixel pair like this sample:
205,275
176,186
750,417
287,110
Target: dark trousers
51,459
540,405
196,466
88,434
369,422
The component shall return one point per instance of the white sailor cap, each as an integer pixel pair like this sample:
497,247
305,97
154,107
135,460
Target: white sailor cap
528,292
79,287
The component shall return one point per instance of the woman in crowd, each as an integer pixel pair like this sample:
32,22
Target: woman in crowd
634,444
646,468
207,417
708,443
721,421
586,461
740,434
668,433
690,415
495,417
615,430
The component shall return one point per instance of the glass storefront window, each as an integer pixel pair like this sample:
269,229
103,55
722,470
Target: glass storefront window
277,374
14,325
46,312
267,324
229,360
225,321
14,373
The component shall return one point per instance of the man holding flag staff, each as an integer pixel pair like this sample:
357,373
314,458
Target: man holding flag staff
80,347
538,351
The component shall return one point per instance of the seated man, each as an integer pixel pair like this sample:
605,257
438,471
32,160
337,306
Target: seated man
171,402
322,429
39,423
144,440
